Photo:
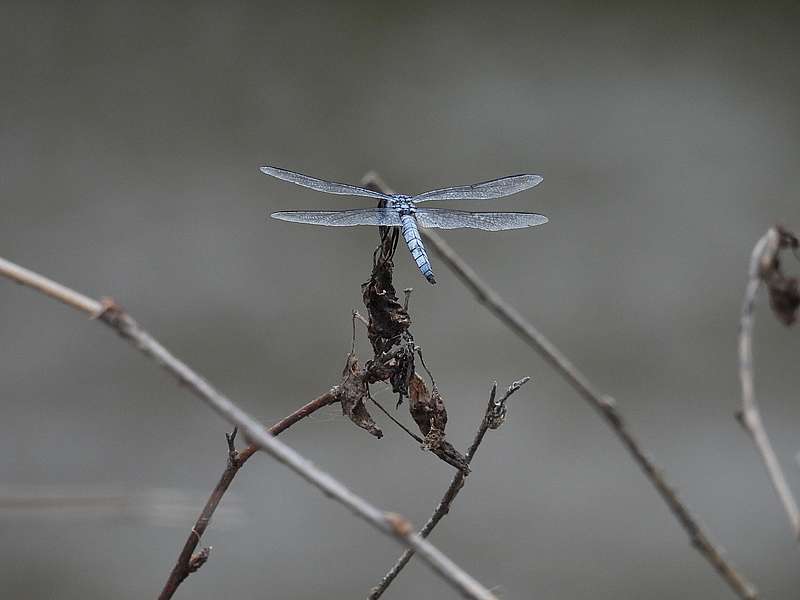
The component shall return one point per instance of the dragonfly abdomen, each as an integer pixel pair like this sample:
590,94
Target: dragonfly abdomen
414,243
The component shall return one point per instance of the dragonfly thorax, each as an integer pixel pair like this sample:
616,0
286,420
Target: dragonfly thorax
403,205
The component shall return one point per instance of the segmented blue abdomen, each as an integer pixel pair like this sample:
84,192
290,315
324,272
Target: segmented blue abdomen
414,242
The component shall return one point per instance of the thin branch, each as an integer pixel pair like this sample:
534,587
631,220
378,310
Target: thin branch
424,366
359,317
492,419
416,438
394,526
407,292
184,565
763,265
50,288
604,405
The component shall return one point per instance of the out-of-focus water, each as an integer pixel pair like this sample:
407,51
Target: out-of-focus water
130,140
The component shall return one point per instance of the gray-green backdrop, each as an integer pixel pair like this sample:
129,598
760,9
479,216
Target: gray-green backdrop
130,140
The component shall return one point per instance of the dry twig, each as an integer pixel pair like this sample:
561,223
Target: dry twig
765,268
389,324
390,524
492,419
604,405
186,564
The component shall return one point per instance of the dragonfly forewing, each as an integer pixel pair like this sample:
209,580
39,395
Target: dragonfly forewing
321,185
486,190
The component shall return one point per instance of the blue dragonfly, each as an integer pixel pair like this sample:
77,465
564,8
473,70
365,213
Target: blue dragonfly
398,210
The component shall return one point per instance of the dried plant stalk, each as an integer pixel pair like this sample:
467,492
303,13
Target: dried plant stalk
493,418
603,404
765,268
390,524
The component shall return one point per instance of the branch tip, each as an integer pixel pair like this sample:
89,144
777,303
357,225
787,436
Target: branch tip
231,439
765,268
456,484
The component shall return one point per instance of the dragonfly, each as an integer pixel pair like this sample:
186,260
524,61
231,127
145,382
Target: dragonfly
400,210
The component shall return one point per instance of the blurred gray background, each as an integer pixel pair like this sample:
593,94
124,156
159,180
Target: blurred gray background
130,140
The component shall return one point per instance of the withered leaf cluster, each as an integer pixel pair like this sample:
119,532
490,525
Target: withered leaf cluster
429,413
353,394
393,361
784,295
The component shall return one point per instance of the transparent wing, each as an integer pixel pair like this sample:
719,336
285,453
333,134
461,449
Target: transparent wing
331,187
387,217
444,218
487,190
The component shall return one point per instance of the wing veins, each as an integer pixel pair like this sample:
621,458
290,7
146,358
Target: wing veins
321,185
485,190
386,217
444,218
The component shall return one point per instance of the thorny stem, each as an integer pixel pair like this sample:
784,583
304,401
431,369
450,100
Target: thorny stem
762,264
390,524
492,419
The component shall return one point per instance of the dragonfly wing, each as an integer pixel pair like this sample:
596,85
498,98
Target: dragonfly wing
331,187
443,218
387,217
486,190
